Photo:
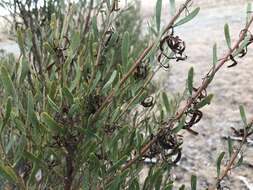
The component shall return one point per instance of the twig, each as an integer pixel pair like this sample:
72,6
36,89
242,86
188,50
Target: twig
109,98
233,158
249,142
179,114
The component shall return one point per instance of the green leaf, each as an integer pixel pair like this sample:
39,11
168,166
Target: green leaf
180,125
190,80
21,41
21,146
218,163
94,27
51,123
8,173
182,187
117,165
240,161
75,40
8,109
188,17
110,81
205,101
158,14
242,45
23,70
215,57
230,147
67,94
243,115
35,160
7,82
166,102
249,11
172,7
193,182
227,35
125,49
94,84
52,104
31,116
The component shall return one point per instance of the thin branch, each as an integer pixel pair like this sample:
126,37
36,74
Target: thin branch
109,98
233,157
189,103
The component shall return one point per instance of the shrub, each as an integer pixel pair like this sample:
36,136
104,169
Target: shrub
78,110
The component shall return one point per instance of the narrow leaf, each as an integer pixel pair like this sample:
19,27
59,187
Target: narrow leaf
51,123
193,182
227,35
230,147
188,17
7,82
9,173
243,115
125,48
215,57
166,102
190,80
67,94
205,101
118,164
31,116
172,7
158,14
218,163
52,104
110,81
7,111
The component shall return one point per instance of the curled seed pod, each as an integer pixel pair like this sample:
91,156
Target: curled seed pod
110,36
175,152
201,96
154,150
167,141
233,60
141,72
148,102
109,129
240,132
93,102
176,45
194,117
245,50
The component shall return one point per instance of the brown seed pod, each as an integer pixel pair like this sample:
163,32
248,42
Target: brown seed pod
148,102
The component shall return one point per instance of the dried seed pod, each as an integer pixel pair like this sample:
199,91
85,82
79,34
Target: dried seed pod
141,71
176,45
110,35
148,102
93,102
233,60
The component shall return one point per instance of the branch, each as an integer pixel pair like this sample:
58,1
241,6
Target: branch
109,98
233,157
189,103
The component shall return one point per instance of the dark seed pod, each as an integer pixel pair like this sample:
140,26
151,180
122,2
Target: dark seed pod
93,102
141,72
148,102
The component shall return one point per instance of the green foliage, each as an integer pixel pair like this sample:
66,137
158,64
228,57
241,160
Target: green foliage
78,109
